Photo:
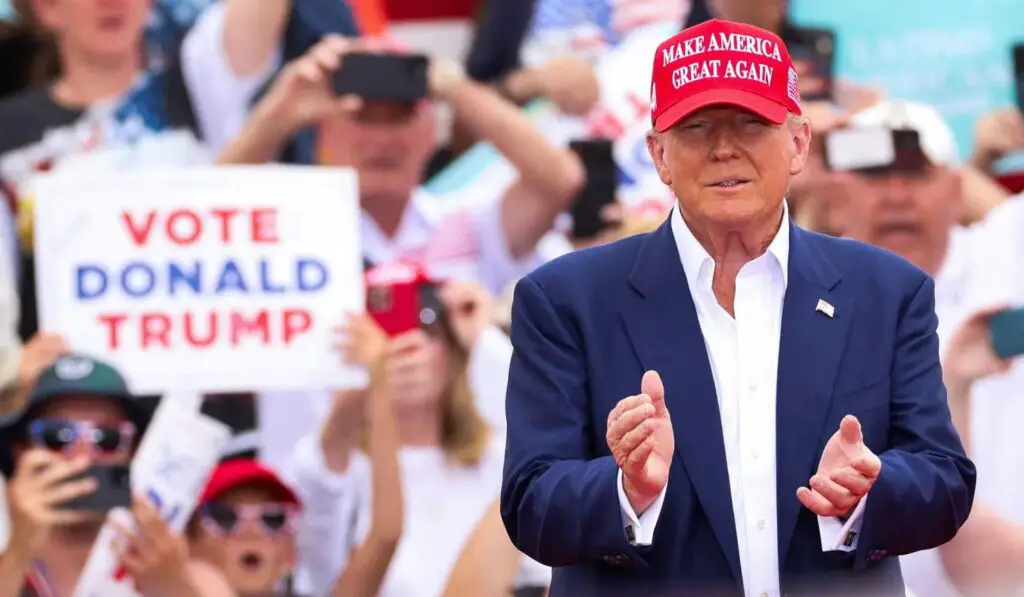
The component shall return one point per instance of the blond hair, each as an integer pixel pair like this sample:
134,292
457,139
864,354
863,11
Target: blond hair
464,432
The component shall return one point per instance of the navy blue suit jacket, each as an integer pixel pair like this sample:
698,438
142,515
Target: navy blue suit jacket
586,326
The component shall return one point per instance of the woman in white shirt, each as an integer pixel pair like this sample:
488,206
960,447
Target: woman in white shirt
450,460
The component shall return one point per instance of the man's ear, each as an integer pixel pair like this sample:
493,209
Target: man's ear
656,147
801,134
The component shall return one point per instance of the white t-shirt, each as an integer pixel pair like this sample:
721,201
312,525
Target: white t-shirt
983,267
444,503
467,243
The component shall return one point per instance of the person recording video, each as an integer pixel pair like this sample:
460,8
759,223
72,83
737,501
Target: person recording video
373,109
450,458
66,459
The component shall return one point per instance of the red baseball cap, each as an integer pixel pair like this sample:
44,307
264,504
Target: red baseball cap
243,471
722,62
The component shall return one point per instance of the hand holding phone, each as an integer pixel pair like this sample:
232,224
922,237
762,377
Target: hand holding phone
400,297
43,482
383,77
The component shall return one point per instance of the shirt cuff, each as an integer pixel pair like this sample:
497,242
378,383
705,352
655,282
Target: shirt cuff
639,529
837,535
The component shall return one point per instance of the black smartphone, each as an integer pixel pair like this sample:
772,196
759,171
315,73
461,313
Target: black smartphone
1018,74
113,489
1007,332
385,77
600,190
814,53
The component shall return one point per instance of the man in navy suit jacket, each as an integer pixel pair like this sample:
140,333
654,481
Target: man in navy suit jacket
798,375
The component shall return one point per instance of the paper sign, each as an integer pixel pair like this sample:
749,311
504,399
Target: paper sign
176,456
213,279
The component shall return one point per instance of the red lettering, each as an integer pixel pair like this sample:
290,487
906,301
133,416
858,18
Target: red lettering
225,215
264,225
156,329
296,322
113,324
138,232
260,324
188,219
603,124
190,332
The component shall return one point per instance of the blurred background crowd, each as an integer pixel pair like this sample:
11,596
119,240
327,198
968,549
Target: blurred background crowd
525,143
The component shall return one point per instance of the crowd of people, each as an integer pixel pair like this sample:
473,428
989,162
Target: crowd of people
393,489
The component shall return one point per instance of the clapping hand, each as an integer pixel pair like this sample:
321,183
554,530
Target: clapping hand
846,472
640,438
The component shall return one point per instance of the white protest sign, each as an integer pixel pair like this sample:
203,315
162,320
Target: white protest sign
204,279
177,454
623,115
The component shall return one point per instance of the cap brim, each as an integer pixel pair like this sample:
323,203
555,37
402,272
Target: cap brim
773,112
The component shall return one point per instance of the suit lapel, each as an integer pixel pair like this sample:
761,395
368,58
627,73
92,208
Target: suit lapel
810,352
662,324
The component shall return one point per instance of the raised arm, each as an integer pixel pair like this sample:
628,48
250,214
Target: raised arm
369,561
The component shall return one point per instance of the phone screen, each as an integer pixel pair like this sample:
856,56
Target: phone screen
1007,332
386,77
600,190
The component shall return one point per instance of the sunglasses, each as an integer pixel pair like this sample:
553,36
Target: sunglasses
267,518
60,435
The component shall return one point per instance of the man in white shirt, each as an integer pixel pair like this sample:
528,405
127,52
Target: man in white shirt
910,206
801,372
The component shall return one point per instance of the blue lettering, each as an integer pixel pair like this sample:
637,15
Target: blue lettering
310,275
231,278
91,282
265,283
138,279
177,276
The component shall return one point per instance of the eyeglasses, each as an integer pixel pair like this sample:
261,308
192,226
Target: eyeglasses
60,435
270,518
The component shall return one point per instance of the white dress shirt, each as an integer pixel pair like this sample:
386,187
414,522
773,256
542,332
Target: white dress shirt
744,354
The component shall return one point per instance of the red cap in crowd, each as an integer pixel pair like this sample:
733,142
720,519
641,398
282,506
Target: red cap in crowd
243,471
722,62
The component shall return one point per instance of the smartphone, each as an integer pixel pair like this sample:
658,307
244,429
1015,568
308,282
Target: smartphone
815,51
387,77
401,299
1018,74
600,190
113,489
1007,332
874,149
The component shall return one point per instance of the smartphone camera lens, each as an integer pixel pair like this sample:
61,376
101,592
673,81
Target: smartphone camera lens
428,316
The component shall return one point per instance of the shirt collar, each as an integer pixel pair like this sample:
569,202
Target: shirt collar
695,258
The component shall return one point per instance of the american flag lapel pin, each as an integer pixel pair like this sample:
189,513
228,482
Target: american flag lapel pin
826,308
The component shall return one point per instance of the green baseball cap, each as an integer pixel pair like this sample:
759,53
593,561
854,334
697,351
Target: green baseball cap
78,375
71,375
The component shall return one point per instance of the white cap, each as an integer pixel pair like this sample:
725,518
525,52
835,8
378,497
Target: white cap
937,140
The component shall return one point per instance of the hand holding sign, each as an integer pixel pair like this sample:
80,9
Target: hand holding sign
153,556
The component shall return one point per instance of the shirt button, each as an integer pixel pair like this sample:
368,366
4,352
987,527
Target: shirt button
752,387
760,525
764,593
755,455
